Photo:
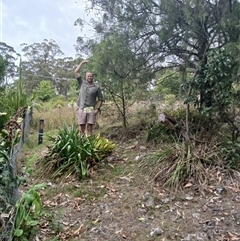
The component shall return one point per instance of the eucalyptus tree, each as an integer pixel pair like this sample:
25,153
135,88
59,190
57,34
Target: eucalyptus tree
8,61
3,65
178,33
39,62
64,75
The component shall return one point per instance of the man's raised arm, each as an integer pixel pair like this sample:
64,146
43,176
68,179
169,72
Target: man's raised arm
77,70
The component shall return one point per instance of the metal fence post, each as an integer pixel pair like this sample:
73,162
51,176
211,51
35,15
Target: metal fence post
40,134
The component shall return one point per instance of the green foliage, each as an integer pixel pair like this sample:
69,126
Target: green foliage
204,69
12,99
44,62
198,122
73,90
28,168
8,139
72,153
123,75
58,103
6,180
158,133
195,118
11,137
3,119
8,57
28,211
168,83
3,65
180,113
215,86
231,154
44,91
219,73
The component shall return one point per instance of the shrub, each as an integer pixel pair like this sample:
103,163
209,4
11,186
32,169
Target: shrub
71,153
158,133
231,153
28,210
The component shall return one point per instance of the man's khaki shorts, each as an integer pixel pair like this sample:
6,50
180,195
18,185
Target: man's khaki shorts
86,117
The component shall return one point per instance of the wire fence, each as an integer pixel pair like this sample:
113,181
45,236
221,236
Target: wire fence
9,185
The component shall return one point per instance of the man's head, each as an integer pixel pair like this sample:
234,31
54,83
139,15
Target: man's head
89,77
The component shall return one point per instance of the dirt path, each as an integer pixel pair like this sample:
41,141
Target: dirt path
116,203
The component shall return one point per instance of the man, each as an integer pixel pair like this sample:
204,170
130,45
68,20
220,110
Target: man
88,107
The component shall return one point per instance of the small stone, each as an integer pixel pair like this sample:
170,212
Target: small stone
211,224
142,210
137,158
196,215
189,198
188,238
221,190
149,200
165,200
156,232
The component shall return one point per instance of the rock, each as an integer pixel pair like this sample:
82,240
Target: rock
149,200
193,237
142,210
236,217
165,200
196,215
189,198
156,232
188,238
138,158
221,190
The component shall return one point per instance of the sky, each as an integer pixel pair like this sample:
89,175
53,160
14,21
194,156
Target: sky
32,21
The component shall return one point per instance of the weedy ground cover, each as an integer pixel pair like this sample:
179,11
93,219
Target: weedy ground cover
147,157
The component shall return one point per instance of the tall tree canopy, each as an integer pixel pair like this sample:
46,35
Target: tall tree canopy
43,62
174,33
8,59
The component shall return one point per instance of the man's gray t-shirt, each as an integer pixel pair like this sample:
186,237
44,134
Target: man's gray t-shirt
88,94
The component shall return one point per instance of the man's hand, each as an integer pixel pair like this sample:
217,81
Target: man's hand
84,61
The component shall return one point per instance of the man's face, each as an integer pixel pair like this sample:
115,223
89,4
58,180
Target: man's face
89,77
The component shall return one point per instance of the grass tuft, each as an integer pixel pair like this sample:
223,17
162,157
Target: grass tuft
70,153
178,163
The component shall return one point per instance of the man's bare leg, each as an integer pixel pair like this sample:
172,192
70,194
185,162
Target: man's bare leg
82,128
89,129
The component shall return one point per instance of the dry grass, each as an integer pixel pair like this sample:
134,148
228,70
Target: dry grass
55,117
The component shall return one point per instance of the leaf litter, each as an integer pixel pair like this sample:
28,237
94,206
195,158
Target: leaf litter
111,205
